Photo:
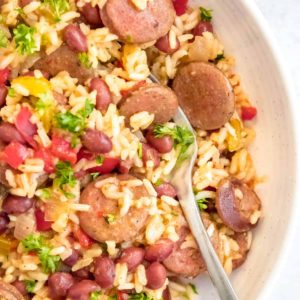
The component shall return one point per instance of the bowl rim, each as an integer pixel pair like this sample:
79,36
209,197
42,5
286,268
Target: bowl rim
287,83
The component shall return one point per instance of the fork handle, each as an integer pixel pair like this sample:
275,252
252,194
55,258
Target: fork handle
213,264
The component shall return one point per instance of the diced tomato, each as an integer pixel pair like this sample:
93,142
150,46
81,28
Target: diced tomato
46,155
25,127
63,150
15,154
122,295
4,74
41,223
180,6
248,112
108,165
84,153
119,64
134,88
84,240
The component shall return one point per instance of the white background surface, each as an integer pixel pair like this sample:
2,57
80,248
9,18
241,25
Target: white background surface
283,17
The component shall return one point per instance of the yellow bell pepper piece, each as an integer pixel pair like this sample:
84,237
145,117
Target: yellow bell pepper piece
35,86
234,142
5,245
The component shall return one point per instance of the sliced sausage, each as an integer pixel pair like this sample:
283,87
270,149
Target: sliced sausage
82,290
132,256
9,133
242,239
156,99
104,272
64,59
124,228
205,94
9,292
138,26
236,203
188,262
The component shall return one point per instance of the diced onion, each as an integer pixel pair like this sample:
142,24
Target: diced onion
25,225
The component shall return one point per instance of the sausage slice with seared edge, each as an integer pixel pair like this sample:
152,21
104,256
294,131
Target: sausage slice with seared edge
243,241
124,228
64,59
205,94
138,26
237,205
188,261
156,99
9,292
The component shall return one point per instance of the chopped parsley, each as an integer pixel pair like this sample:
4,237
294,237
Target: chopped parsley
74,141
158,182
182,137
11,92
99,160
110,218
3,39
84,60
30,285
20,11
75,123
37,243
95,175
57,8
45,193
24,39
45,108
219,57
193,288
64,176
140,296
95,295
202,203
205,14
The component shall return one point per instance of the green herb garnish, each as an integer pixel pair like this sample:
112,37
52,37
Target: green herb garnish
158,182
110,218
30,285
206,14
193,288
99,160
140,296
202,203
45,193
84,60
95,295
24,39
57,8
140,150
3,39
95,175
219,57
45,108
37,243
11,92
182,137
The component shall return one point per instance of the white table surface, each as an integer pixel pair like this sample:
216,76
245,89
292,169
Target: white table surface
284,20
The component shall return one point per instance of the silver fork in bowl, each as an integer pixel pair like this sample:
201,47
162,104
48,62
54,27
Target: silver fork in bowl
181,179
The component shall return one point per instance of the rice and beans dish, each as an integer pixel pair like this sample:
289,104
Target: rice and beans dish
88,146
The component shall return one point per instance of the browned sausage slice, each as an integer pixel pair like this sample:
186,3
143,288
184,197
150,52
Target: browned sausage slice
9,292
124,228
138,26
237,205
242,241
63,59
188,262
205,95
156,99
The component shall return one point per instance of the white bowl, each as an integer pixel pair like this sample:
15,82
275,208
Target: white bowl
244,32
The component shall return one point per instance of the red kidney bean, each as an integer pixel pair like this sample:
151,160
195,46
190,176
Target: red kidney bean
92,15
96,141
166,189
3,94
72,259
163,44
60,98
201,27
23,3
75,38
167,294
132,256
149,153
17,205
159,251
4,221
9,133
125,166
104,272
59,283
20,286
83,273
103,98
162,145
156,276
82,290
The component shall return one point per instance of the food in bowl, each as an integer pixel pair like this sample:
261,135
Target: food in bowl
88,146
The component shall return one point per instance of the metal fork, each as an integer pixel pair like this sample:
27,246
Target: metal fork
181,179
